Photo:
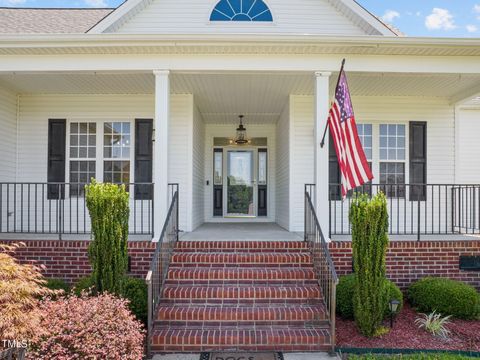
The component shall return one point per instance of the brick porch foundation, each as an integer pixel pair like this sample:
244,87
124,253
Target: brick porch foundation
68,259
408,261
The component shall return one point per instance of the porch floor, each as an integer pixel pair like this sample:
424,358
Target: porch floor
241,232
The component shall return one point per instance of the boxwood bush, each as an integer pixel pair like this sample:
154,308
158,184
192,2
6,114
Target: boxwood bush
345,293
58,284
445,296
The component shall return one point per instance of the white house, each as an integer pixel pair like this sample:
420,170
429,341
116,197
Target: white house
183,65
151,93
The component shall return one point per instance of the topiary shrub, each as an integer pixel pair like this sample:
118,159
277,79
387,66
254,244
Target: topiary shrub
346,291
98,327
445,296
136,292
108,205
369,219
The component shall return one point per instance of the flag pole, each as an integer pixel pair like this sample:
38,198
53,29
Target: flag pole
322,144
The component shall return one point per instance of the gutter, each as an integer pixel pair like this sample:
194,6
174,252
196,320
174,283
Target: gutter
137,40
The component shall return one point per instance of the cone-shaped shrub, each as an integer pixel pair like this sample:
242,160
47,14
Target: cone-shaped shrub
109,212
369,219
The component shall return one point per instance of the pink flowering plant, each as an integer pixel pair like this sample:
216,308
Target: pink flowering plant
84,327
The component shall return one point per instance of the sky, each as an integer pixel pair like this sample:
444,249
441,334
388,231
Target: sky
437,18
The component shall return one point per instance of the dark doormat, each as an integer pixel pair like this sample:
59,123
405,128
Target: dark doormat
241,356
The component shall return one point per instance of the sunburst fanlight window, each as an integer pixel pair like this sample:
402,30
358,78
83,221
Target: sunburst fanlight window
241,10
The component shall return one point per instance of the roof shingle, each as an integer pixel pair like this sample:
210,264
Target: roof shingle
49,21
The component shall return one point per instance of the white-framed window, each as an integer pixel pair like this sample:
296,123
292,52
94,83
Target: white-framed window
99,149
392,158
83,152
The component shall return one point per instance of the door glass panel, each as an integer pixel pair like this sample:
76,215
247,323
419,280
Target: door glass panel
262,168
218,168
240,183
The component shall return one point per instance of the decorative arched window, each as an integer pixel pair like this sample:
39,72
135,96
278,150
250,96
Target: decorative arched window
241,10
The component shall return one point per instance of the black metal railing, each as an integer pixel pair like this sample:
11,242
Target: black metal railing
60,208
161,259
466,209
415,209
323,264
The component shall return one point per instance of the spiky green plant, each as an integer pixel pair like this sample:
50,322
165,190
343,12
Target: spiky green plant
434,323
108,205
369,219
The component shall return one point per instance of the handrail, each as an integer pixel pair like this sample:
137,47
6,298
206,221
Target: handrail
157,274
323,265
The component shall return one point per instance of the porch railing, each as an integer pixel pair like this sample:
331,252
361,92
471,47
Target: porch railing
60,208
161,260
416,209
323,264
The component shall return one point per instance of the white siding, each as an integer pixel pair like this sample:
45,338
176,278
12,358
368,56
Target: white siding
214,130
283,169
468,146
198,184
8,135
438,114
192,17
301,156
35,110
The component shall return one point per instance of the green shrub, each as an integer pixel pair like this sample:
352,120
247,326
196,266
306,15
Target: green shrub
108,206
135,290
445,296
345,295
84,284
58,284
369,219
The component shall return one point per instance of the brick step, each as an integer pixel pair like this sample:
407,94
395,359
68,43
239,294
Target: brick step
227,315
261,275
297,259
241,246
241,292
262,338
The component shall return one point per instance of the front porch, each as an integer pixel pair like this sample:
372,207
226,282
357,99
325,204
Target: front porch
188,120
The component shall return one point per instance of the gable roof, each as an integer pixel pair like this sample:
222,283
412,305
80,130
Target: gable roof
49,20
353,10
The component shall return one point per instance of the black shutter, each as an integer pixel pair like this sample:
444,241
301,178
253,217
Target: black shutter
143,158
262,194
56,158
334,176
418,160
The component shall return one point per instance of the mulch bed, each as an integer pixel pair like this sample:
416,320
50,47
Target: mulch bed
465,335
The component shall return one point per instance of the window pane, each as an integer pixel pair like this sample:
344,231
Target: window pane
393,174
81,173
365,135
83,146
392,142
117,172
117,140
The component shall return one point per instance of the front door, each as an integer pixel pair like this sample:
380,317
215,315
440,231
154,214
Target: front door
240,190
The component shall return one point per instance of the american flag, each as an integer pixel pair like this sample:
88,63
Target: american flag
351,157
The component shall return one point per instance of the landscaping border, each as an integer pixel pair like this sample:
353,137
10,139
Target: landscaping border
362,351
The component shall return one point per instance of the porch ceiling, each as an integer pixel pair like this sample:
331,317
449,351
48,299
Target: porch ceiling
220,97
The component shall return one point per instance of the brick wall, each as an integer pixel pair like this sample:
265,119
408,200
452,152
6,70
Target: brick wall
68,259
408,261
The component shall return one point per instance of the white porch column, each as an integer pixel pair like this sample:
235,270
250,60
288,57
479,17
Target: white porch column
160,168
322,98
